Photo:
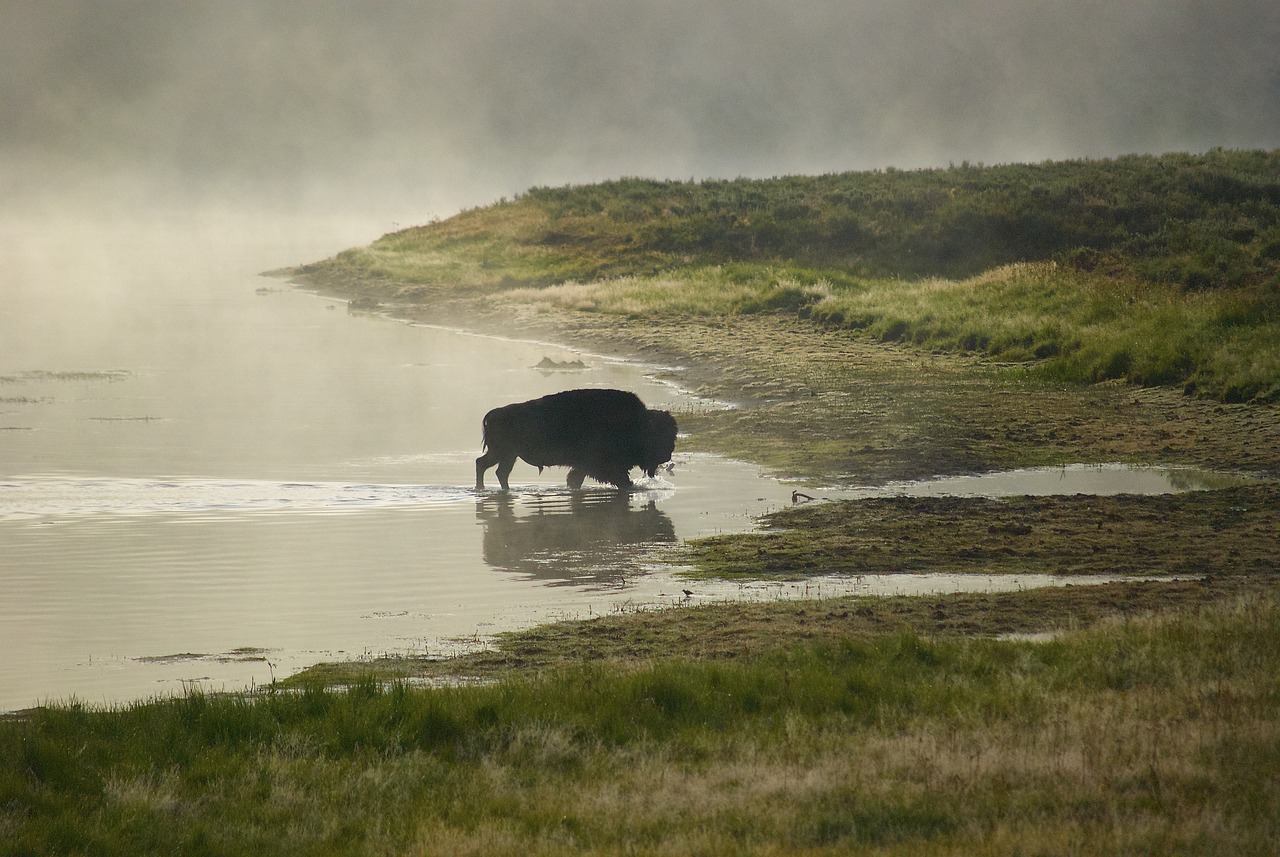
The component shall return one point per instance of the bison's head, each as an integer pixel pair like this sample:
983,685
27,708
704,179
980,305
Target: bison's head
659,443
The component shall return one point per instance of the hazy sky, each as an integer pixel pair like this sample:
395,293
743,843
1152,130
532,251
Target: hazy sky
414,109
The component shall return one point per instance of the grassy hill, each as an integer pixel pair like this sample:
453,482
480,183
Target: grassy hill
1161,270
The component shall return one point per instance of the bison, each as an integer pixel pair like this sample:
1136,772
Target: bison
596,433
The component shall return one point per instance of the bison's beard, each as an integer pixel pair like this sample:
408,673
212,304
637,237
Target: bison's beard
660,442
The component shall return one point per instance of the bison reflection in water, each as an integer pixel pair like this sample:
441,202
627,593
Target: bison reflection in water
596,433
579,537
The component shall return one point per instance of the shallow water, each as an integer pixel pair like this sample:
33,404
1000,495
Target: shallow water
206,477
1095,479
209,478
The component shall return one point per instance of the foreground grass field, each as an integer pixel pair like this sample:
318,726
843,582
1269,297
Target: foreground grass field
1154,734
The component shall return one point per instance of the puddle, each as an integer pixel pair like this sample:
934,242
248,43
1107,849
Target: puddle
1032,636
1095,479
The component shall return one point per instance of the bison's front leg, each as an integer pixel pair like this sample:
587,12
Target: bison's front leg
504,470
619,477
575,478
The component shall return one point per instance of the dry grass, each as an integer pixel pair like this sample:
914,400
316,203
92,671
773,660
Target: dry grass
697,292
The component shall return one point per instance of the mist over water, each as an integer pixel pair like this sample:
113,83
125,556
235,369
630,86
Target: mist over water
208,477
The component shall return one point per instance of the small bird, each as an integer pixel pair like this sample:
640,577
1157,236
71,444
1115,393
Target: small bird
688,593
797,497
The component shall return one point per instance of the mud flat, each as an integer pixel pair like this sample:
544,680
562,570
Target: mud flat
740,630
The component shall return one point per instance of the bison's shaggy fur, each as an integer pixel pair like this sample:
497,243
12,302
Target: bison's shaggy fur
596,433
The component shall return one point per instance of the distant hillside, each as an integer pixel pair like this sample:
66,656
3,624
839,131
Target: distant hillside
1181,251
1197,221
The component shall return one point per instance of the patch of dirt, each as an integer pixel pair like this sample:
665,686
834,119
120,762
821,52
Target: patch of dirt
1232,531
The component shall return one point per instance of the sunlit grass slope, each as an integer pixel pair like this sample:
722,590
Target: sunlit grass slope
1158,270
1151,736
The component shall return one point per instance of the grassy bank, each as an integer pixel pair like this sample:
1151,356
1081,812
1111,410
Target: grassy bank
1063,324
1155,270
1156,734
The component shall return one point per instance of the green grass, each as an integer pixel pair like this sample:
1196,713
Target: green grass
1152,735
1064,325
1156,270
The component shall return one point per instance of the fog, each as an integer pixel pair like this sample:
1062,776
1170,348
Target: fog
397,112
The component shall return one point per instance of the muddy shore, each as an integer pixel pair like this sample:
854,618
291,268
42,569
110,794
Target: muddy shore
831,408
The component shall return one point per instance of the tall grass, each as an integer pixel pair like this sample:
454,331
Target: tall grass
705,291
1153,736
1081,328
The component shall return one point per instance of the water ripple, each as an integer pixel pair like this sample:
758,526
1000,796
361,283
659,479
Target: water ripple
56,496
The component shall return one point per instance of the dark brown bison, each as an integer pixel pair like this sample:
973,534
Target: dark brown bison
596,433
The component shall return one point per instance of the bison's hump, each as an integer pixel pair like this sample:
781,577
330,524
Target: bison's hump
591,396
569,418
587,404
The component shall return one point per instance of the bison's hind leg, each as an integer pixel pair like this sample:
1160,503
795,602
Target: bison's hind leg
575,478
483,463
489,459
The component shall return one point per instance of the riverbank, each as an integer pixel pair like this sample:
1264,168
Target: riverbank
863,727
